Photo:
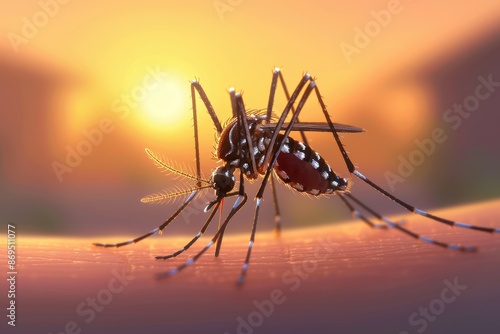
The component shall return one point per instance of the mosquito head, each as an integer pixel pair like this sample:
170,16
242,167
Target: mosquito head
223,180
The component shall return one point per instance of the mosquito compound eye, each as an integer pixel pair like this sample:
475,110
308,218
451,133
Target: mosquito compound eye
223,180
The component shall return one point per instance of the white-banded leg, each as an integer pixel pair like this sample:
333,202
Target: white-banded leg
277,213
241,192
423,213
238,204
245,135
357,214
245,138
408,232
219,240
352,169
278,128
277,75
196,237
195,85
159,229
244,269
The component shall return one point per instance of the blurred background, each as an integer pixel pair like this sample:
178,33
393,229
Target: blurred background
85,87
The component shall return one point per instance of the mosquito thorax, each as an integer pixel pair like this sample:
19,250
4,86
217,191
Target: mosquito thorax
232,145
223,180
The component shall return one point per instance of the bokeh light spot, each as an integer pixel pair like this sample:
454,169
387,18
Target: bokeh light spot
165,103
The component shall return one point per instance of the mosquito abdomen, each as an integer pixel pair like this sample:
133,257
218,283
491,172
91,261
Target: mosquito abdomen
305,170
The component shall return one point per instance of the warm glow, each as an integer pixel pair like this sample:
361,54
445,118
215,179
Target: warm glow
86,86
166,102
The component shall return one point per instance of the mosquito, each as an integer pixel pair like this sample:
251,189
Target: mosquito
259,144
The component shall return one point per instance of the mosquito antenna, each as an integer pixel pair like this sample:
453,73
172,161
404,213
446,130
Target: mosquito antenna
167,195
164,165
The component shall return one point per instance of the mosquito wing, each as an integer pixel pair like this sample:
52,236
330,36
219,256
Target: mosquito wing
316,127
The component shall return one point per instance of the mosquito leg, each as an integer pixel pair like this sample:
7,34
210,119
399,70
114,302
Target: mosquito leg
277,214
356,213
238,204
287,95
242,277
277,74
241,192
410,233
200,233
232,96
159,229
272,92
279,125
260,193
418,211
284,114
195,85
290,107
245,136
219,242
352,169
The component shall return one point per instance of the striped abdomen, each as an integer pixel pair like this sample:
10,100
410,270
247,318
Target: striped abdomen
305,170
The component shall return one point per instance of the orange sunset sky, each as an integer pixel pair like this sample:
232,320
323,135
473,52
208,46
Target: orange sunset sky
67,68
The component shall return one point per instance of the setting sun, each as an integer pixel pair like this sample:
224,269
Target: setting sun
166,102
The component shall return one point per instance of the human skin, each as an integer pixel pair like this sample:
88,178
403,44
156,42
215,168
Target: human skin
342,278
